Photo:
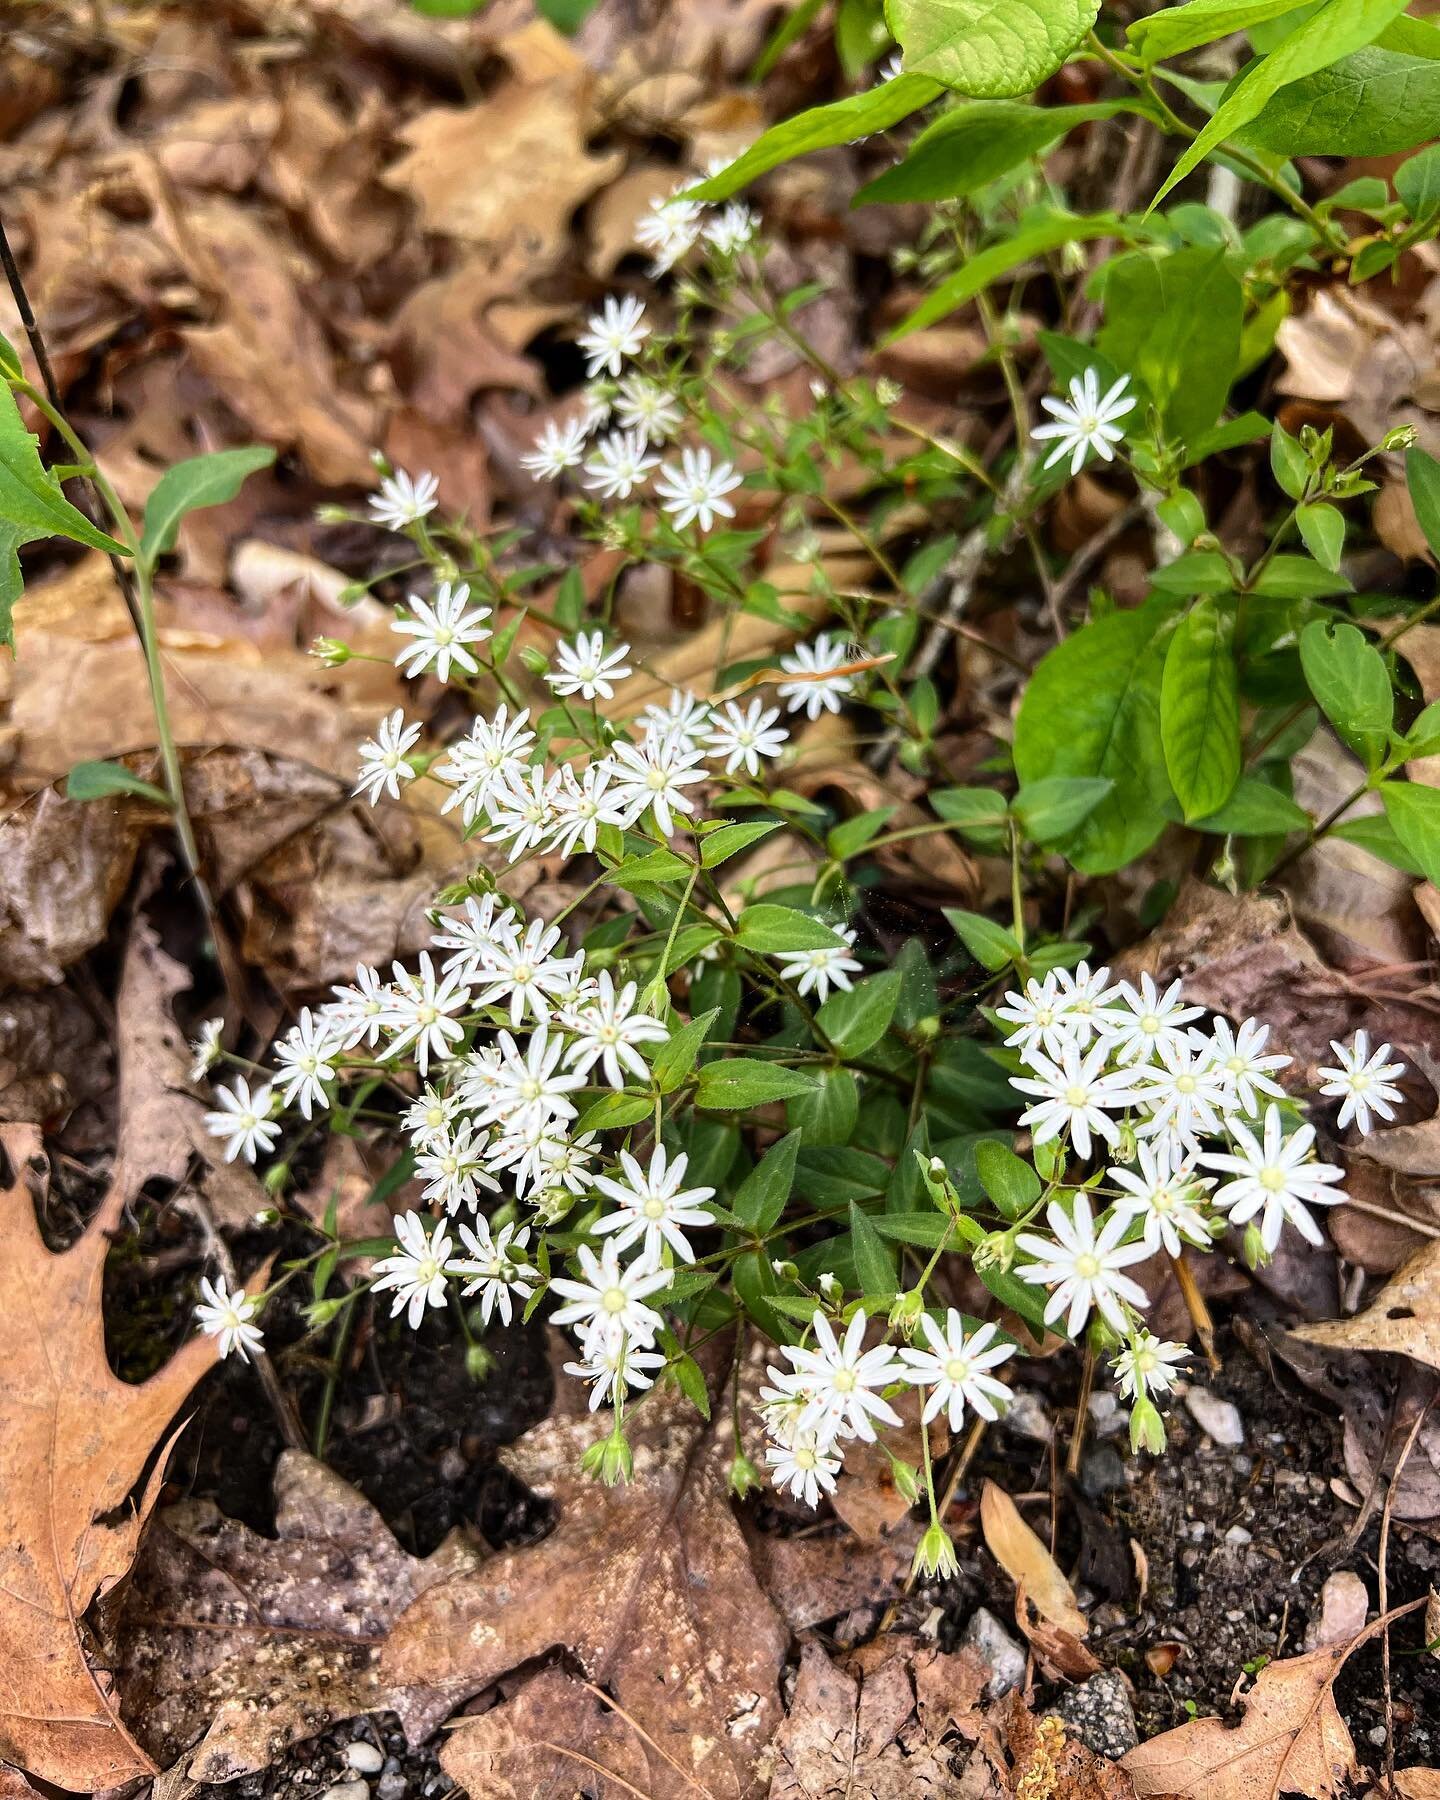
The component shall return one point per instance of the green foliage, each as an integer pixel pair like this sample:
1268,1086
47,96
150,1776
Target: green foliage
104,780
1174,323
1200,710
185,487
990,47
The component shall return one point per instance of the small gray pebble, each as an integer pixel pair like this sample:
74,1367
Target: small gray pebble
1219,1419
1100,1714
1101,1471
392,1785
988,1638
347,1790
1237,1534
364,1758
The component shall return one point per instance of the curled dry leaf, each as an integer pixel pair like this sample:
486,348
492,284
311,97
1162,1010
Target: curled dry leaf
1291,1739
74,1441
884,1728
258,1642
649,1587
1027,1562
1403,1318
558,1736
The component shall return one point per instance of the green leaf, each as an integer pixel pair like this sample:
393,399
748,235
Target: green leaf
760,1198
1375,833
850,836
649,871
1196,572
1422,476
1417,182
990,47
1255,809
1337,29
613,1112
992,946
1050,810
1175,29
874,1260
1323,529
1007,1178
1092,708
1383,99
737,1083
1200,711
856,1020
1348,677
827,1114
842,122
1414,813
975,275
925,1230
677,1056
1174,322
691,1383
1298,578
980,815
1288,462
777,930
972,145
717,847
102,780
210,480
31,504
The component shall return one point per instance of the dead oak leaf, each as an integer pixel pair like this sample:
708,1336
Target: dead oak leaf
509,170
258,1642
1403,1318
74,1441
874,1729
1027,1562
1291,1739
648,1586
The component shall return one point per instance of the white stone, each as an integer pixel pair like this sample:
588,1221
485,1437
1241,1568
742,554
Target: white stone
364,1758
1217,1418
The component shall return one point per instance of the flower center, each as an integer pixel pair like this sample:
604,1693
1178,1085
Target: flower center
1235,1065
1185,1084
1359,1081
1087,1266
1044,1015
807,1459
654,1208
957,1370
1162,1200
613,1300
1149,1024
844,1382
1272,1180
1075,1095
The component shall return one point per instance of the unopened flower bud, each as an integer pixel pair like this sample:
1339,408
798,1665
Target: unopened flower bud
926,1029
332,515
1253,1248
888,392
277,1178
994,1252
609,1458
935,1554
743,1477
906,1312
785,1269
1401,438
906,1479
533,659
828,1283
330,651
321,1312
1147,1428
478,1362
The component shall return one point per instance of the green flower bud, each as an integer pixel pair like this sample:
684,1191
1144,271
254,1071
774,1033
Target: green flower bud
907,1480
330,651
276,1178
906,1312
609,1458
533,659
1147,1428
1253,1248
995,1252
935,1554
321,1312
743,1477
478,1362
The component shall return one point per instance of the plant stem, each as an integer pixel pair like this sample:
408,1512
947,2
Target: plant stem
1199,1312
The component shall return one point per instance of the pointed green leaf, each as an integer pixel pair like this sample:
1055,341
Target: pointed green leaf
990,47
1200,711
211,480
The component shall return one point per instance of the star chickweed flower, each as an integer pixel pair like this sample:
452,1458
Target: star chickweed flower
497,1267
307,1056
669,229
619,464
1238,1054
1148,1365
817,971
609,1303
816,684
1083,1268
404,500
956,1368
1275,1178
651,777
653,1206
645,407
244,1121
694,489
1142,1019
1075,1094
526,973
416,1271
1041,1018
585,667
1364,1082
606,1029
806,1465
1087,421
1165,1195
420,1011
558,447
842,1377
612,334
384,760
230,1318
444,632
743,738
1182,1094
205,1050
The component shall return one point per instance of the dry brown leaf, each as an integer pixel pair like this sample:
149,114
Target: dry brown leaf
1403,1318
1291,1740
1027,1562
74,1441
161,1125
506,172
258,1642
1417,1784
649,1588
879,1733
556,1736
1047,1761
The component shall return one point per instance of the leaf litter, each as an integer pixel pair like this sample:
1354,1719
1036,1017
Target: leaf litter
332,199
